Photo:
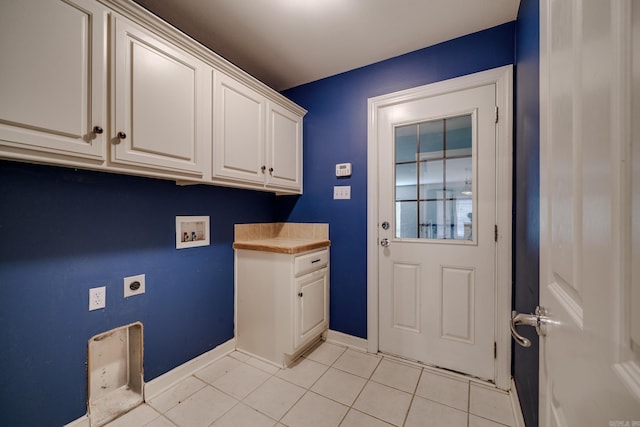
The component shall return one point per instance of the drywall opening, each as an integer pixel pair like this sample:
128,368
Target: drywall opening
115,374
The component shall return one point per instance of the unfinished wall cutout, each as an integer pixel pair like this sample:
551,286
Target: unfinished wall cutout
115,373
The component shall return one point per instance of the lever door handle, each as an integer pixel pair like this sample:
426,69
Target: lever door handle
539,320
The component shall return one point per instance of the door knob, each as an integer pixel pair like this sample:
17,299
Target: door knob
385,242
539,320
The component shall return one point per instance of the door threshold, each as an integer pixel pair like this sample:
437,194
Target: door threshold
439,369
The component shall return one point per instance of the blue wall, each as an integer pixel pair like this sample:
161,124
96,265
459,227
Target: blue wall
335,131
526,189
64,231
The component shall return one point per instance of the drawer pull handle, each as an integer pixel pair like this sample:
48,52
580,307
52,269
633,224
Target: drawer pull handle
300,294
315,260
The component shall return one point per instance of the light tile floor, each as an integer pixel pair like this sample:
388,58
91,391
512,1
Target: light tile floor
330,386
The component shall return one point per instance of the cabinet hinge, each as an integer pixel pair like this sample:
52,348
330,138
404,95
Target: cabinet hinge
495,232
495,350
497,115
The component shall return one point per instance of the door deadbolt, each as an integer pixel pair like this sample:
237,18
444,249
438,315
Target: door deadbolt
385,225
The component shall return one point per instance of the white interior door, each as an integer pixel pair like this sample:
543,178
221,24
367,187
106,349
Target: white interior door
437,258
590,217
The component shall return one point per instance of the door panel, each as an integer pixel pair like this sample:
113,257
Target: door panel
437,279
406,297
589,372
457,287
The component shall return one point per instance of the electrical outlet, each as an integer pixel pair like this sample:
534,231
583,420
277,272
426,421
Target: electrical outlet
97,298
134,285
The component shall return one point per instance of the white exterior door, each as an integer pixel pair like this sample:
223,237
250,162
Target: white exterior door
590,213
437,217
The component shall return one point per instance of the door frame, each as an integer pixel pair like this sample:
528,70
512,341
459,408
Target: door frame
502,77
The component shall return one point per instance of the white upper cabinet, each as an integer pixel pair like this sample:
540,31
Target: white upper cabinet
109,86
239,131
159,103
284,147
255,139
53,79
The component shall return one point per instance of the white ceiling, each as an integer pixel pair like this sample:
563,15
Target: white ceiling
285,43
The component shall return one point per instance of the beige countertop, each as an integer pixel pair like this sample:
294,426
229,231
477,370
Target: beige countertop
282,245
284,238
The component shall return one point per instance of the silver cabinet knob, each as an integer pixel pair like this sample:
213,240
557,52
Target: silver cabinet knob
300,294
122,135
385,242
98,130
271,171
263,168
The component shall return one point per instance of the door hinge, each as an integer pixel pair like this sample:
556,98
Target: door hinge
495,232
497,115
495,350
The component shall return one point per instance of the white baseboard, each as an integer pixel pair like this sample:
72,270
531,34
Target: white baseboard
335,337
168,379
515,405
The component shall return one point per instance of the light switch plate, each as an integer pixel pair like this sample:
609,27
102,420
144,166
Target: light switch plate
341,192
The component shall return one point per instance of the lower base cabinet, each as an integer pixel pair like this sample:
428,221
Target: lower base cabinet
282,302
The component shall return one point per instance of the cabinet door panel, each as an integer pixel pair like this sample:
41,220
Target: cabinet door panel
52,76
158,98
284,148
239,131
312,308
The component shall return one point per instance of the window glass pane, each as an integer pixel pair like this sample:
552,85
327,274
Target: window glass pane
429,219
406,143
458,136
431,179
458,175
406,182
461,216
407,219
431,140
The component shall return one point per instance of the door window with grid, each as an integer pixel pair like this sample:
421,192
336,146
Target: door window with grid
434,179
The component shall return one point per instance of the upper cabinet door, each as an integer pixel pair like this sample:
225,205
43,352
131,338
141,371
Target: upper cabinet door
53,80
284,148
159,100
239,130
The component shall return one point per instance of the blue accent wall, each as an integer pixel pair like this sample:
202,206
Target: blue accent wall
526,196
63,231
335,131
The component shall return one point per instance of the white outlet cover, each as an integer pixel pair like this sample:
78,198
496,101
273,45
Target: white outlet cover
128,292
97,298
